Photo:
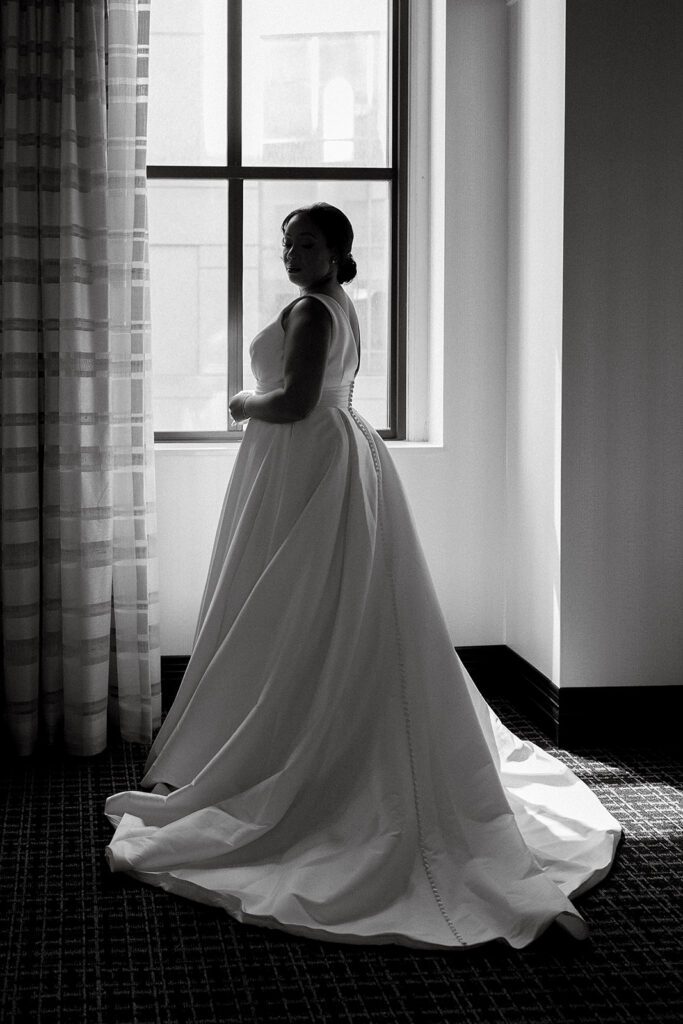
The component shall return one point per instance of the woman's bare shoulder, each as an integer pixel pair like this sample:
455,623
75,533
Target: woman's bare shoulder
306,307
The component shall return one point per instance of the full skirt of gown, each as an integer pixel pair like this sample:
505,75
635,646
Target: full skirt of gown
328,766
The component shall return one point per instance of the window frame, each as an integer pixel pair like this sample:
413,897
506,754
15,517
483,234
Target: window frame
235,174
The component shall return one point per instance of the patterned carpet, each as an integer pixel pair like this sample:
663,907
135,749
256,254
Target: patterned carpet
78,944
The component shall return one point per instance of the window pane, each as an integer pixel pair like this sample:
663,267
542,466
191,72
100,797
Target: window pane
315,83
267,289
188,82
188,283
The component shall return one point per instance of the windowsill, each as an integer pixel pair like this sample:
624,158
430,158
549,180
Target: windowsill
435,445
222,446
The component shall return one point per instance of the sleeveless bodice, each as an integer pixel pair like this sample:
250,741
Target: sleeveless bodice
267,356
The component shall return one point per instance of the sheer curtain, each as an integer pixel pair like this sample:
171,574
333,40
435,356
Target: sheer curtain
79,593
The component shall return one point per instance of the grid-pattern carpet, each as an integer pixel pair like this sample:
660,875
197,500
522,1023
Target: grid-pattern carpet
80,944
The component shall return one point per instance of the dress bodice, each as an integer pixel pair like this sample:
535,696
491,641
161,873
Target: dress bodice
267,350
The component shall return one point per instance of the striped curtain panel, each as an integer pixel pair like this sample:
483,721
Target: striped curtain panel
79,591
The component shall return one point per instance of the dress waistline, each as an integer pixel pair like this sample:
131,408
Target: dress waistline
340,397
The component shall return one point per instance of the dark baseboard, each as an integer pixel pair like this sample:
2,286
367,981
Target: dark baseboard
571,717
613,715
574,717
172,671
499,672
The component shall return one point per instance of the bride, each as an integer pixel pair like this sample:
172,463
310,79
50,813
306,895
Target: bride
328,766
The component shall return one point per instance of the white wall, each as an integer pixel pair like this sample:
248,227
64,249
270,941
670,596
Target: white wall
456,489
534,341
594,534
622,423
464,516
602,604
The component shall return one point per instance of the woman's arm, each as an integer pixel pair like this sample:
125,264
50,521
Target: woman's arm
308,333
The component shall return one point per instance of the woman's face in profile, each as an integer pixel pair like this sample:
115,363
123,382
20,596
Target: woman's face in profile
306,255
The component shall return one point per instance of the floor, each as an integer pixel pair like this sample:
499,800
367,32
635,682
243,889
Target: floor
80,944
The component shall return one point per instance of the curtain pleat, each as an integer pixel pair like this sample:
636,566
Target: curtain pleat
79,586
135,575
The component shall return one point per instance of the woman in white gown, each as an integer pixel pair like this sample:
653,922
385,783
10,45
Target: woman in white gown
328,767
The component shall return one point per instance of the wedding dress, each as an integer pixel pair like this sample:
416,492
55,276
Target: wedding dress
328,766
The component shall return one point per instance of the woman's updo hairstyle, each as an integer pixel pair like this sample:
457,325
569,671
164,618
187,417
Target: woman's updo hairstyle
336,229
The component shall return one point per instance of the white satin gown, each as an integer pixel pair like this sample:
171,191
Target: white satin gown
328,767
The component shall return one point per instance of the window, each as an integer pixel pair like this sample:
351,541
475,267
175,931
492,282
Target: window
256,108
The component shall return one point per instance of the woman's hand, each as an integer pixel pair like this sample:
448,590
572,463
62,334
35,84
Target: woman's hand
236,405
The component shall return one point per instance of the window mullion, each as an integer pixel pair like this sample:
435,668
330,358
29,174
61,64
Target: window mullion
235,83
399,225
235,273
235,199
